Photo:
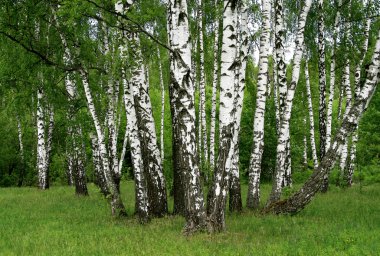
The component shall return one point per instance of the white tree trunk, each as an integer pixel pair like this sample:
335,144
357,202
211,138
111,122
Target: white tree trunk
331,89
22,154
347,86
202,86
214,87
218,192
281,81
304,147
322,80
162,107
49,139
254,171
147,132
284,136
183,114
74,150
235,202
280,65
110,119
124,149
43,182
117,206
311,117
97,162
332,77
141,194
352,161
300,199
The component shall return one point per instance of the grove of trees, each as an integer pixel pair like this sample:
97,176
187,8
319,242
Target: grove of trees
190,99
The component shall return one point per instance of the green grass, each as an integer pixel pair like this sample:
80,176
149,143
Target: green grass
55,222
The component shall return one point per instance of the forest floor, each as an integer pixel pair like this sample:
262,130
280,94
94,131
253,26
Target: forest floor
55,222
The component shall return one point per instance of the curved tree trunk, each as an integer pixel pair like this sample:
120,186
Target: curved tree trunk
117,206
300,199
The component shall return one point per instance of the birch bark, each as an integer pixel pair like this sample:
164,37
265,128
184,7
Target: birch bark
183,115
141,191
331,89
147,133
352,160
202,86
322,80
217,195
347,86
311,117
235,201
162,106
74,150
284,136
254,171
214,86
301,198
117,206
100,180
111,109
43,178
22,155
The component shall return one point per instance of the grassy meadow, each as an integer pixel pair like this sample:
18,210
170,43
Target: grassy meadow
55,222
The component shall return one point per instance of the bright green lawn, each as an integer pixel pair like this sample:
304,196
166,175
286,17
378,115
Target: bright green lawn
55,222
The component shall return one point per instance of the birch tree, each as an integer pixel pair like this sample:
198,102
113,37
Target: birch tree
147,133
280,80
202,87
217,196
253,197
322,80
311,117
305,194
110,119
141,191
74,149
352,158
331,88
347,85
162,106
113,195
22,154
283,140
44,139
215,78
183,115
235,201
